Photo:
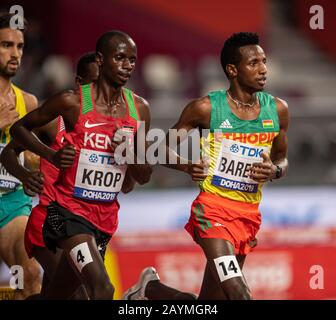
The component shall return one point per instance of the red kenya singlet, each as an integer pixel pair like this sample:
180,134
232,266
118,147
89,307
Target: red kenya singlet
33,233
50,172
90,187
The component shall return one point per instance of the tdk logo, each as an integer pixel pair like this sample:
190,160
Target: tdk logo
102,159
93,158
247,151
234,148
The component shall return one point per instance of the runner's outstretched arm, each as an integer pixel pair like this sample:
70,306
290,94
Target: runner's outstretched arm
194,116
21,131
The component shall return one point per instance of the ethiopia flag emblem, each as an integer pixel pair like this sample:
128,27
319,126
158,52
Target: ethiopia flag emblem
268,124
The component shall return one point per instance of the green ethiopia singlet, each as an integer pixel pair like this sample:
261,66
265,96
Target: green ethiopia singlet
232,145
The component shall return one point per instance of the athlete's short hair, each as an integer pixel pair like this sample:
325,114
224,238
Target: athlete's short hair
83,63
106,37
230,52
5,18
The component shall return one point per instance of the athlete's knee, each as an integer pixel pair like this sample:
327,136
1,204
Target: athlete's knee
238,292
32,273
31,280
80,294
185,296
231,277
100,288
101,291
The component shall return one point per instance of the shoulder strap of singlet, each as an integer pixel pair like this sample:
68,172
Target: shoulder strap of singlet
86,98
268,107
60,124
20,103
132,108
267,101
219,108
20,107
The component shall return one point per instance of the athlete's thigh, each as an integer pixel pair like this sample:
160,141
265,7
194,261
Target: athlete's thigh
14,253
47,259
11,235
210,289
83,255
64,281
223,265
49,262
241,260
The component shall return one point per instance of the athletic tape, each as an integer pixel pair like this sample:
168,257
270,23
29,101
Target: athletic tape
227,267
81,255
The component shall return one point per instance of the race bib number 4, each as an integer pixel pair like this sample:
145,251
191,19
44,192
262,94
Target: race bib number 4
81,255
233,164
98,177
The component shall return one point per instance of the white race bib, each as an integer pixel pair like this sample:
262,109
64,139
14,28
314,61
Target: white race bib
7,181
98,177
227,267
233,163
81,255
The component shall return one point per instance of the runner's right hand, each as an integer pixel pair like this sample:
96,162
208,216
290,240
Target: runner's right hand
197,171
64,157
8,115
33,183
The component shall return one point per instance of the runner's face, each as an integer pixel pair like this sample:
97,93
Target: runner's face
121,60
11,49
252,68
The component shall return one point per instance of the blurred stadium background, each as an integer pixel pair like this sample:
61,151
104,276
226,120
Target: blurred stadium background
178,48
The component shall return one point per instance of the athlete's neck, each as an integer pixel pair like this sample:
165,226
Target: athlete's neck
241,94
107,94
5,86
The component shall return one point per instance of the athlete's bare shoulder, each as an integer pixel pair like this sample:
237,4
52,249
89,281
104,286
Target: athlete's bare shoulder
30,101
283,113
202,105
196,114
281,104
141,102
143,107
70,96
66,99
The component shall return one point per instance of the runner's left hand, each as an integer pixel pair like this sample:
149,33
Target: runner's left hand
64,157
33,183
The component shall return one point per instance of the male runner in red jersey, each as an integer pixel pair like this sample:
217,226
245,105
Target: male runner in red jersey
247,146
41,182
84,215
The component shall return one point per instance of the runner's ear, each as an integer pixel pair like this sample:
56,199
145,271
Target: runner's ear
99,59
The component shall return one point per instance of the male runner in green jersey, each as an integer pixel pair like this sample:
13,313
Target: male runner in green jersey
246,146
